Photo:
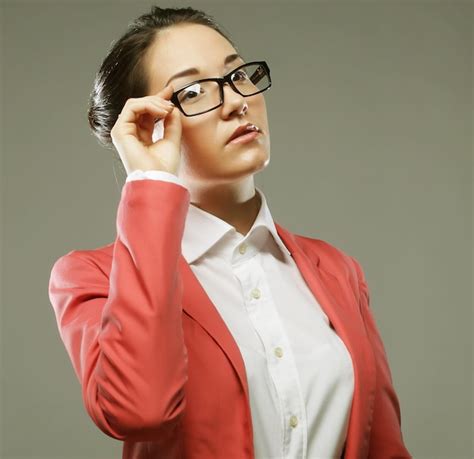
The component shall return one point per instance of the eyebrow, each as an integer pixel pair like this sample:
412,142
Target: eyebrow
193,71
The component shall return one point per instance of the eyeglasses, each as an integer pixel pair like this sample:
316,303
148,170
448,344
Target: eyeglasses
202,96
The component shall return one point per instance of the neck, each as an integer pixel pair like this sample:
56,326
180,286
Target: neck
237,204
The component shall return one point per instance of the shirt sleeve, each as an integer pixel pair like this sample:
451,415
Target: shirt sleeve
386,438
139,174
122,328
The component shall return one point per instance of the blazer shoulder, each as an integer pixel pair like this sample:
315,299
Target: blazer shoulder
332,258
76,263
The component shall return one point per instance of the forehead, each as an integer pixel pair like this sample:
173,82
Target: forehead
180,47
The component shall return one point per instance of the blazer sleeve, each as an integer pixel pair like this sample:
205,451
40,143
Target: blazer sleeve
386,440
124,334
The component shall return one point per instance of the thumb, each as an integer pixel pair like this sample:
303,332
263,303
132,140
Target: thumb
172,126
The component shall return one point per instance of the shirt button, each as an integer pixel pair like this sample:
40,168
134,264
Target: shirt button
278,351
256,293
293,421
243,248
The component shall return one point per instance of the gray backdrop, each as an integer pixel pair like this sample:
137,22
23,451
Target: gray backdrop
371,131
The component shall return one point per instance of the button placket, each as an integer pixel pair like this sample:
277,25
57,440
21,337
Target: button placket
293,421
267,323
278,352
256,293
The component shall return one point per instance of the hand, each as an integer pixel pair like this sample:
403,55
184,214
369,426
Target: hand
133,130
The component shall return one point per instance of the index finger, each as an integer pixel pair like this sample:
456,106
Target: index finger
168,89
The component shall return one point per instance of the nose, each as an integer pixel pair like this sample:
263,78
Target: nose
233,101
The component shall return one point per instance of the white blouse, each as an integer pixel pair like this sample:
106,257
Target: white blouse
299,372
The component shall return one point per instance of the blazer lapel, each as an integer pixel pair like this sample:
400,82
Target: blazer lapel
198,305
342,310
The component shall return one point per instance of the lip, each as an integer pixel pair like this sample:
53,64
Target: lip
245,138
240,130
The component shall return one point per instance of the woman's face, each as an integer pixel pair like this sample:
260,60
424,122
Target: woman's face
206,156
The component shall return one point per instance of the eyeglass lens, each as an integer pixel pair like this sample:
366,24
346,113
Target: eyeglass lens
203,96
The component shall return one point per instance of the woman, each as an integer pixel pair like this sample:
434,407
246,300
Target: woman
206,330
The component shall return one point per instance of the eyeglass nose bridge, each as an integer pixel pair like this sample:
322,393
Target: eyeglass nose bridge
227,79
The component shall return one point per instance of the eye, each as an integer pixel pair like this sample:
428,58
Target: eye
240,75
191,92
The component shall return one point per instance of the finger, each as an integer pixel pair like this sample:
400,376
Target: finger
163,95
172,127
134,108
168,89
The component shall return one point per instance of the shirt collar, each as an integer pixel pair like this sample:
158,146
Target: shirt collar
203,230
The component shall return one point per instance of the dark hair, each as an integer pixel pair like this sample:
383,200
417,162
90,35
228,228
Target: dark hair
122,74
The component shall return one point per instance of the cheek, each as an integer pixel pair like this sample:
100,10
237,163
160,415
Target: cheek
200,139
200,144
201,132
259,109
260,101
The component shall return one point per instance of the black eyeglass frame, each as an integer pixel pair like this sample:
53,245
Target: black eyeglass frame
221,81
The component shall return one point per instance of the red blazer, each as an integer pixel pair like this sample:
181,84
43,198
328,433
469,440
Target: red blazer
159,368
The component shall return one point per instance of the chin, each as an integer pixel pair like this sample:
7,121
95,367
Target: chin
260,161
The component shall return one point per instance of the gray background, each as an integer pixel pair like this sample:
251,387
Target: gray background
371,131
